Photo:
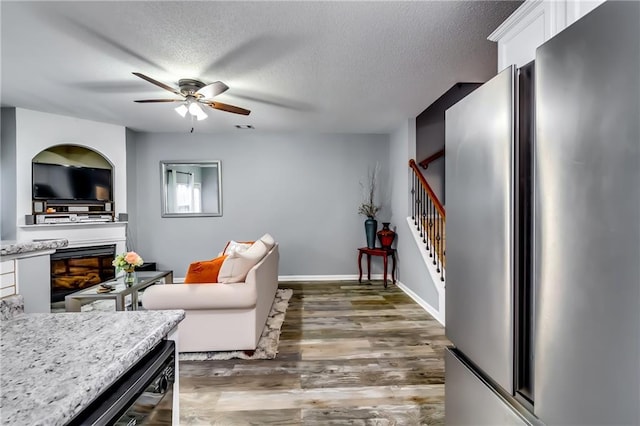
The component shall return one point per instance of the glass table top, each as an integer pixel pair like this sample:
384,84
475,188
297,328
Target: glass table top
142,279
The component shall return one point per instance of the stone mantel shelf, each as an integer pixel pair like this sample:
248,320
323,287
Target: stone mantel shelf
39,247
76,224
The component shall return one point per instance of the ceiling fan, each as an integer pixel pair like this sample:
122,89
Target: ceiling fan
193,93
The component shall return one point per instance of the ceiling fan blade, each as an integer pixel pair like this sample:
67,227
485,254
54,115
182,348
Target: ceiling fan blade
144,101
213,89
228,108
157,83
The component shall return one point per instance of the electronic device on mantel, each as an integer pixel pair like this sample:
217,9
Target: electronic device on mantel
71,194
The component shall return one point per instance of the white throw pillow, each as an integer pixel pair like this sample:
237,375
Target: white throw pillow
235,247
236,266
268,241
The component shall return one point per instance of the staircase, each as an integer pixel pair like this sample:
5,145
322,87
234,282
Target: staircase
429,220
428,225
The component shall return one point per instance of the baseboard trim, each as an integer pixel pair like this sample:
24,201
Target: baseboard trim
285,278
289,278
317,278
423,304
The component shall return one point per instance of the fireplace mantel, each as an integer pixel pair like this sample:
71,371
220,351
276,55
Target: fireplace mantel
71,225
79,234
37,289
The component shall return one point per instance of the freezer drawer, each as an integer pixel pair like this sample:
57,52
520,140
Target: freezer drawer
470,401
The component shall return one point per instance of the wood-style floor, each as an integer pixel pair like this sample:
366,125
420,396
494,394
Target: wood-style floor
349,354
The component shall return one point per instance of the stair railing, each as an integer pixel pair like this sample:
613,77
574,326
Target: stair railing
428,215
430,159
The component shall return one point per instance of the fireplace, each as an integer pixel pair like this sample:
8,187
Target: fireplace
74,269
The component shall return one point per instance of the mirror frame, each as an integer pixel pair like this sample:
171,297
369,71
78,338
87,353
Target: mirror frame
164,165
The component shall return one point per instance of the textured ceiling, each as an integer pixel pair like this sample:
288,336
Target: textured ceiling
298,66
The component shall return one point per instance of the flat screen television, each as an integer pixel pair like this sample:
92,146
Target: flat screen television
60,182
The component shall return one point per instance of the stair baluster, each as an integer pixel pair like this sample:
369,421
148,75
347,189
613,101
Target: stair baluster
428,215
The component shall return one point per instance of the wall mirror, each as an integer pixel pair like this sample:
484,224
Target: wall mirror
191,188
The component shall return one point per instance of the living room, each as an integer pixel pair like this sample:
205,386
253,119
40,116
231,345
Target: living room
335,90
297,174
322,117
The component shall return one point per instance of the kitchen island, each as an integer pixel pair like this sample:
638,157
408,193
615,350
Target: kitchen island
54,365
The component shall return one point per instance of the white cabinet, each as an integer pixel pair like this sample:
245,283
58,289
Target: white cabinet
33,275
532,24
7,278
577,9
28,274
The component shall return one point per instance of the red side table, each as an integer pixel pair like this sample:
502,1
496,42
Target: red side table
378,251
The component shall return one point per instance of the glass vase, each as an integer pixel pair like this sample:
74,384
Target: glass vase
129,277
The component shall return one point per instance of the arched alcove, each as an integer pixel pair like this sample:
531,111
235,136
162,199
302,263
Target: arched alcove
71,183
72,155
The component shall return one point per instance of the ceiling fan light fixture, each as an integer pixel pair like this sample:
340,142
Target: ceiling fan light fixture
182,110
201,115
196,110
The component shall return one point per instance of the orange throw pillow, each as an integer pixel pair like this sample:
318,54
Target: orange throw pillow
205,271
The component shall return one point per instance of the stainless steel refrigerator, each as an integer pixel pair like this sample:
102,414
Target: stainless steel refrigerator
543,234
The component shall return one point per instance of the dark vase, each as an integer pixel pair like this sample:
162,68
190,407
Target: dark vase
370,227
386,236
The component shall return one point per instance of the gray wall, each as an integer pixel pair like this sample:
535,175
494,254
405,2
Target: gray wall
132,190
430,134
301,188
412,271
210,182
8,174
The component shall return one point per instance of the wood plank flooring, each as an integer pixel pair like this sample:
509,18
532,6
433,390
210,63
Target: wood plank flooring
349,354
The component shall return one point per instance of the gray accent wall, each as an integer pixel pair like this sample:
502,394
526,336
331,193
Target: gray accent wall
8,174
132,189
209,180
430,134
301,188
412,271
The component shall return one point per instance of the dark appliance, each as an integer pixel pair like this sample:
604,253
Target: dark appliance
143,395
61,182
543,234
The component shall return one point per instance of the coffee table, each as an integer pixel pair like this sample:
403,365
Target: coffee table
74,301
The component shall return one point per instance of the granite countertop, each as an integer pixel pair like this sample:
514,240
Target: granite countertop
54,365
16,247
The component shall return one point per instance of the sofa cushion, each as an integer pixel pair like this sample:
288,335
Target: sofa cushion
236,246
268,240
237,265
205,271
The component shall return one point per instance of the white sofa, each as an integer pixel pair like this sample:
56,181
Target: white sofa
221,317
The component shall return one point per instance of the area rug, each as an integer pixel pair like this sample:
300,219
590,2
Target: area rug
268,343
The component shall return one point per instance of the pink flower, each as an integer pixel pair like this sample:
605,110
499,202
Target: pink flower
132,258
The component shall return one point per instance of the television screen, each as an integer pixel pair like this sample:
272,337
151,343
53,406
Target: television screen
59,182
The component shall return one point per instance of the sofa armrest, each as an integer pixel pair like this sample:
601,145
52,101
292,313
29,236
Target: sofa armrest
265,275
200,296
